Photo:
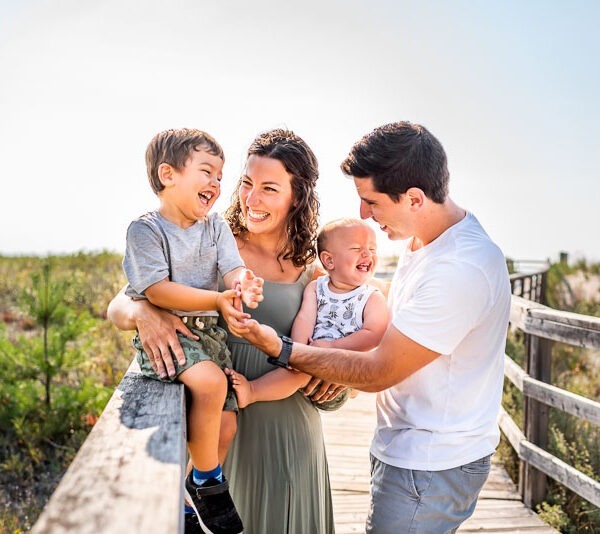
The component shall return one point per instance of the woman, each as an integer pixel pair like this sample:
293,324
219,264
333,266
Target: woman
276,466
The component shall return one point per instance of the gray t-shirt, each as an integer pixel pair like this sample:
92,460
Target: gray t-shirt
157,249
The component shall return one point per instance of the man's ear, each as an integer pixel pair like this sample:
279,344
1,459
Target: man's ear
165,174
415,197
327,260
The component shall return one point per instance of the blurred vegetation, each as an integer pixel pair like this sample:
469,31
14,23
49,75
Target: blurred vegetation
575,441
60,362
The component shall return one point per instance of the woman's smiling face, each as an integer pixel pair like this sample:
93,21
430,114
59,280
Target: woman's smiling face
265,195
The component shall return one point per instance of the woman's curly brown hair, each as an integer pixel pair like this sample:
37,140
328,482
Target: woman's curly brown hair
303,218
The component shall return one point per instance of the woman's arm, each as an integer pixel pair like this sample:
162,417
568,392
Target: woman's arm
157,329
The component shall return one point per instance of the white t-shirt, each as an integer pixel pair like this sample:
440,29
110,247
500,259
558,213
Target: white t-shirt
453,297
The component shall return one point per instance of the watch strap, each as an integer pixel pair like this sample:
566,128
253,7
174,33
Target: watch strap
283,360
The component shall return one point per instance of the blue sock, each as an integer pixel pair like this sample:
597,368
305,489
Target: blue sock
200,477
188,509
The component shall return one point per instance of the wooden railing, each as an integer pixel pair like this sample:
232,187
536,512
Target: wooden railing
128,475
530,281
543,326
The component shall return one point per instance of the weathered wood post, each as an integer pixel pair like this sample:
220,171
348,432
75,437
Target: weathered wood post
543,299
538,364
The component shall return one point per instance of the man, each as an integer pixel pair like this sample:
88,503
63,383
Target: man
439,367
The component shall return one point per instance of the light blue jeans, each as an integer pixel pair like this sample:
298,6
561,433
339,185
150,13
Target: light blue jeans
423,502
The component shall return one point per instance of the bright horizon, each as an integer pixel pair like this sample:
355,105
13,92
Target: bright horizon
509,88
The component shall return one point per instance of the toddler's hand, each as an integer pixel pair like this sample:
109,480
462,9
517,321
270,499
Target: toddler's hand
230,308
251,288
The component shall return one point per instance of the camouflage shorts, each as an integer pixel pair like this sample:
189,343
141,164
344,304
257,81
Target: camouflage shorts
333,404
210,347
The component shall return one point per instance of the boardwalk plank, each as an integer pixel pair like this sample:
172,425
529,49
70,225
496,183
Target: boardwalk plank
348,433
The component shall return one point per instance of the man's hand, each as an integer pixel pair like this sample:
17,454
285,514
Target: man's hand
261,336
251,288
158,333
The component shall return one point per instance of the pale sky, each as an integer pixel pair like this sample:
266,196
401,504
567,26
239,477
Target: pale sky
510,88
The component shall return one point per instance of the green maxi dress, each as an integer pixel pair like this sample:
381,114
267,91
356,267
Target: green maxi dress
276,466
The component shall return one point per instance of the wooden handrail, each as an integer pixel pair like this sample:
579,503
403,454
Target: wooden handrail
550,395
543,325
549,464
566,327
128,475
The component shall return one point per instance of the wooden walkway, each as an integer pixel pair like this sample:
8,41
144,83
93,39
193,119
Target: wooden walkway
348,434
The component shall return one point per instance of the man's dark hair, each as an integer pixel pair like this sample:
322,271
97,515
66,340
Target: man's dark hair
399,156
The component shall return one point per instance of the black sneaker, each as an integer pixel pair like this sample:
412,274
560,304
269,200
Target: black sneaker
191,524
214,508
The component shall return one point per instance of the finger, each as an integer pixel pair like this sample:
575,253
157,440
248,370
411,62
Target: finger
239,316
230,294
237,304
166,360
238,332
177,351
322,391
151,358
183,329
159,364
311,387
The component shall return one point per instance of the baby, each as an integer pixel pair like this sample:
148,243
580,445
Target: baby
339,309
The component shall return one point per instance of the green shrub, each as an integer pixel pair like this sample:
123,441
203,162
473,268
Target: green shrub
61,361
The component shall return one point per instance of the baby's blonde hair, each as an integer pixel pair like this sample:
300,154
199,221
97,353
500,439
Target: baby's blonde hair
330,228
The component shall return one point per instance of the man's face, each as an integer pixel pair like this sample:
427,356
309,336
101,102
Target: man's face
394,218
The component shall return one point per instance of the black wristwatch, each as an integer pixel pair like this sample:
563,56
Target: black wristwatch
283,360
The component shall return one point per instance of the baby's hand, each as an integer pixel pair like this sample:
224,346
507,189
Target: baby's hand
251,288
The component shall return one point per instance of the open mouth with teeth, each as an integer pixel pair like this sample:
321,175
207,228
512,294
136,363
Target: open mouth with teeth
364,267
206,197
257,216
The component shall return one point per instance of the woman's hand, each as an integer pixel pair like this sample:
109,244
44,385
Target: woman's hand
158,329
321,391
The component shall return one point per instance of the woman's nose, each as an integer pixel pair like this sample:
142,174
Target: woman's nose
251,197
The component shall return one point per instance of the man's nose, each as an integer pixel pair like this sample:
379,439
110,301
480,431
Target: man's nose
365,210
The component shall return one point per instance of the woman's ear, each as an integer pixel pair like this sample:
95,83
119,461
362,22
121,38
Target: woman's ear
165,174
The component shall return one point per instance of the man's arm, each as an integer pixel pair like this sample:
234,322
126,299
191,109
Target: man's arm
395,359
